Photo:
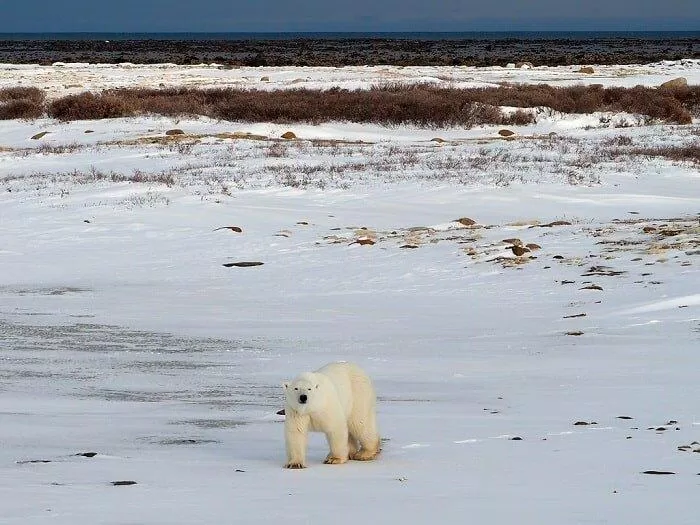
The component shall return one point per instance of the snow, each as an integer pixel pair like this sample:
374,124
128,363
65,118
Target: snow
61,79
123,334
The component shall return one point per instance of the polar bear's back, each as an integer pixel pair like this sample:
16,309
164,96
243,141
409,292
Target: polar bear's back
354,387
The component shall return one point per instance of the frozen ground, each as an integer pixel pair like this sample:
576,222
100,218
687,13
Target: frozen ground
122,332
62,79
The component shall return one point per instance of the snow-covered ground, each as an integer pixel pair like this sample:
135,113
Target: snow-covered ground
122,332
61,79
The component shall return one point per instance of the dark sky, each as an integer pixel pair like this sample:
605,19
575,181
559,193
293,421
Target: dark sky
354,15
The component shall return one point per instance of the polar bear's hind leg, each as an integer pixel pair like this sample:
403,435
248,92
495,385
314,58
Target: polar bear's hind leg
362,423
368,438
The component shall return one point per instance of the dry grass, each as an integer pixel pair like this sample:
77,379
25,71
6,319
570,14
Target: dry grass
21,103
88,106
676,106
686,153
421,105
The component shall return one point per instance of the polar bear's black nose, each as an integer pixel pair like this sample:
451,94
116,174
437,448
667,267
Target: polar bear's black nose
302,399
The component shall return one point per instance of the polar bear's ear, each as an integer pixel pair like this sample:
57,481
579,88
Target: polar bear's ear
285,385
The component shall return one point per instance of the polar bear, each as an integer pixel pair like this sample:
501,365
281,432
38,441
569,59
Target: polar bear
338,400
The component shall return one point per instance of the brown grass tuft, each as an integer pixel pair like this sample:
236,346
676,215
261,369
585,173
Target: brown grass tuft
87,106
21,103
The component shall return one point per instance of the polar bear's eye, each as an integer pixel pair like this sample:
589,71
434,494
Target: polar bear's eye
295,388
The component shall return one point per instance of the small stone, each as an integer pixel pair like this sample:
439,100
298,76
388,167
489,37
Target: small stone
465,221
516,438
264,79
40,135
592,287
438,139
506,133
658,472
87,454
173,132
364,242
588,70
280,412
513,241
409,246
236,229
675,83
624,417
89,131
554,223
532,246
289,135
519,251
576,332
243,264
123,483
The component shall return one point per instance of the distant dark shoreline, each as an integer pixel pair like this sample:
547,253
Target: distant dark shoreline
359,35
341,49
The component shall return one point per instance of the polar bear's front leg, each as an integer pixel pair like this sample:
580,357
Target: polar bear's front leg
338,440
296,430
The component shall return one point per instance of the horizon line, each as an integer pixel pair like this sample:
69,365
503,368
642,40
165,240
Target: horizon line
392,31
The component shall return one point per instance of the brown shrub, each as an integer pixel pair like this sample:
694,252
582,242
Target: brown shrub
169,102
21,103
689,97
421,105
87,106
20,109
519,118
688,152
663,105
22,93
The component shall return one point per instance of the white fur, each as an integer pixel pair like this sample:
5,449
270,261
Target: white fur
341,403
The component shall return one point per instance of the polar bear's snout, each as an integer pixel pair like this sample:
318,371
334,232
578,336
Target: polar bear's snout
302,399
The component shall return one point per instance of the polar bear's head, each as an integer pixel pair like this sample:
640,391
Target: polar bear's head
303,394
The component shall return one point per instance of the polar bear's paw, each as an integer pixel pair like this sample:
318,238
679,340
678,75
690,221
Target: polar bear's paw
334,460
365,455
295,465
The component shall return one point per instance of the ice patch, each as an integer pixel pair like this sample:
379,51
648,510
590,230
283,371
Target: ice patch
669,304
